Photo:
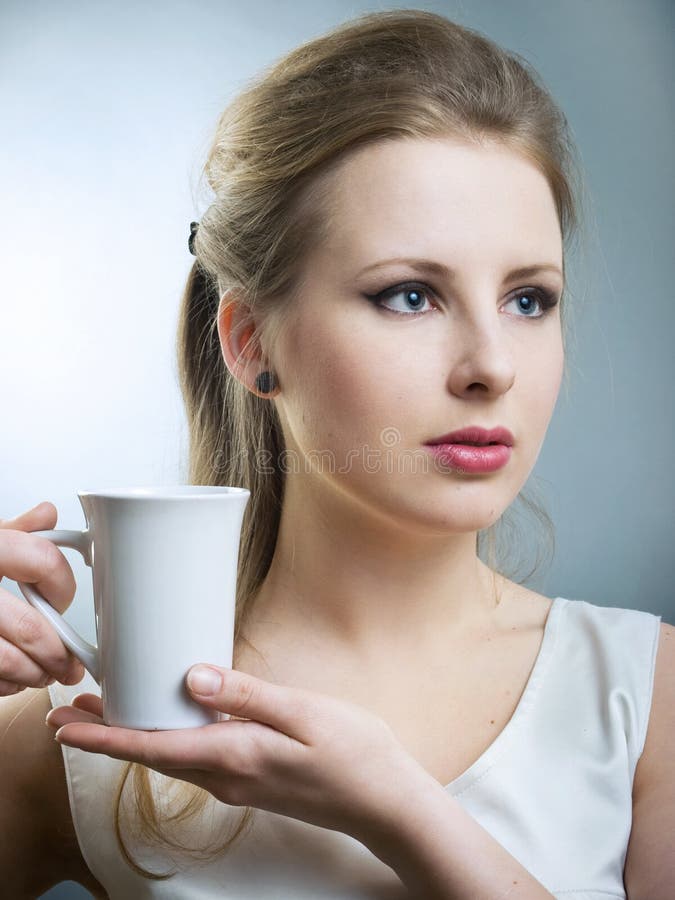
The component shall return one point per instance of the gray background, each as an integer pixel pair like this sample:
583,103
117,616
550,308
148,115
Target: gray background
107,110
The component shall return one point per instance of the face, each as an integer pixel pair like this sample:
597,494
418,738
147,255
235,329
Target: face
365,383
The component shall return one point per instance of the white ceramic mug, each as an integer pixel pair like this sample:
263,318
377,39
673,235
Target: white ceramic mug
164,567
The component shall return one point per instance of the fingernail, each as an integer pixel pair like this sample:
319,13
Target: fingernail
203,680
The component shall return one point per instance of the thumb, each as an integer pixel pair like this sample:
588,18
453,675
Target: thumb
204,680
243,695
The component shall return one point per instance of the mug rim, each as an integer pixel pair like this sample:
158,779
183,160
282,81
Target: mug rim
166,492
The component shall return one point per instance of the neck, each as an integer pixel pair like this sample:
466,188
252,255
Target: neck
350,578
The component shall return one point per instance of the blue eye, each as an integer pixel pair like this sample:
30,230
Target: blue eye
543,297
415,294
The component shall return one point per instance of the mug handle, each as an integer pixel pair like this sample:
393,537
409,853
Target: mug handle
84,651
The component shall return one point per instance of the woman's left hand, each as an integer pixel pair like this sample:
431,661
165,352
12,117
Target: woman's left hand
295,752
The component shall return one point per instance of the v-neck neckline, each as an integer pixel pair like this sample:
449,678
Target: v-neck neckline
499,745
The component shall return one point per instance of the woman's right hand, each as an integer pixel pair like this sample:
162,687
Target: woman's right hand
31,652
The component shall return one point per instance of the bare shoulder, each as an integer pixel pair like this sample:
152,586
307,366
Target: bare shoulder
650,862
34,760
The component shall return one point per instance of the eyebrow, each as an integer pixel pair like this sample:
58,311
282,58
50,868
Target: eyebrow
436,268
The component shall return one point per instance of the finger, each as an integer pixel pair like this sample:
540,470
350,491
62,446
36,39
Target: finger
289,710
63,715
30,647
39,518
7,688
29,557
177,749
16,667
90,703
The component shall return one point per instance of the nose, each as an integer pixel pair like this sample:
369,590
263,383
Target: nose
482,356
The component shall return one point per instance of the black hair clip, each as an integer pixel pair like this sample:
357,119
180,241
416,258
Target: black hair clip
191,240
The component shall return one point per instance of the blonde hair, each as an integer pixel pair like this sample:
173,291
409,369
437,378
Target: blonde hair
381,76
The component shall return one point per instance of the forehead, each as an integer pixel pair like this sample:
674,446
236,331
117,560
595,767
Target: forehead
441,197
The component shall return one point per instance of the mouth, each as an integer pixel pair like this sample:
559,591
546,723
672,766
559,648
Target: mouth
472,443
471,458
476,436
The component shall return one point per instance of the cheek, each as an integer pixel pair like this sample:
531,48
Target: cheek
347,386
372,384
540,385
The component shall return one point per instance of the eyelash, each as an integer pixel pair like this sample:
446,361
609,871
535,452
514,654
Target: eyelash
546,298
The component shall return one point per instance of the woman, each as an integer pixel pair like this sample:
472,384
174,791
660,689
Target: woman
382,267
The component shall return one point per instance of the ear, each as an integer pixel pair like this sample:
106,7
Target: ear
239,341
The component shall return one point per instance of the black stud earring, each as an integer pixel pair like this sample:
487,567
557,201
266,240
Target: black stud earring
265,382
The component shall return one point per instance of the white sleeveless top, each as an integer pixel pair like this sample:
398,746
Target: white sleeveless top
554,787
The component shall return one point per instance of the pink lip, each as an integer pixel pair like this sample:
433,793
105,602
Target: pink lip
474,434
459,451
471,459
